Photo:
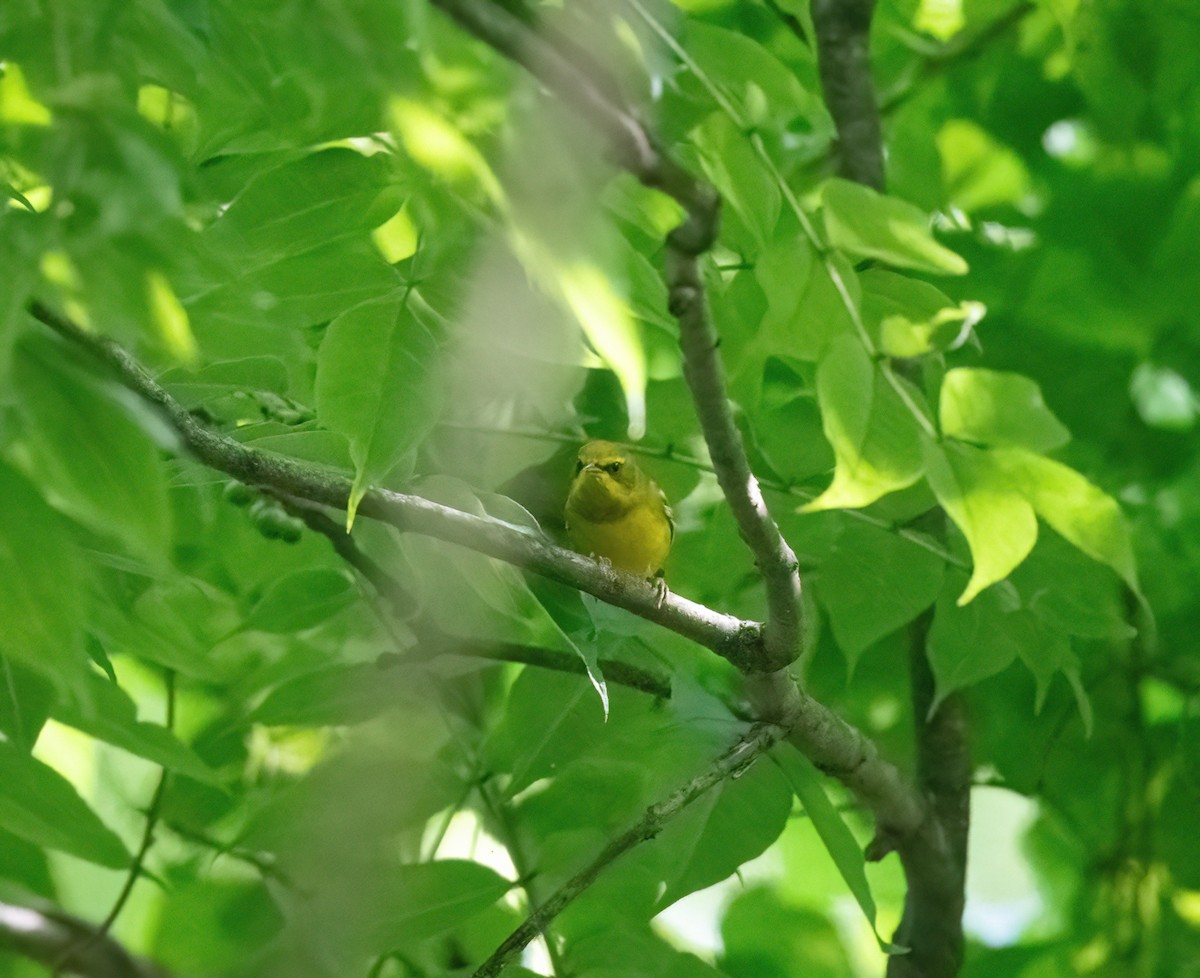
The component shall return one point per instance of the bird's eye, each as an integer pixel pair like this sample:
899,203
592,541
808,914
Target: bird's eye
578,466
613,468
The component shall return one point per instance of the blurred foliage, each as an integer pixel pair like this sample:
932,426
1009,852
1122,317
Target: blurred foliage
347,233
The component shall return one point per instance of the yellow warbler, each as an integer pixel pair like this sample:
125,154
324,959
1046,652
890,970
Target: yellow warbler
616,513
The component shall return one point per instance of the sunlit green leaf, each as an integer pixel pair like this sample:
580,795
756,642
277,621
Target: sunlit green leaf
978,493
992,407
103,710
865,224
874,436
1080,511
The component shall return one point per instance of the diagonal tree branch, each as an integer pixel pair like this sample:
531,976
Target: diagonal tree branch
833,745
388,589
760,738
732,638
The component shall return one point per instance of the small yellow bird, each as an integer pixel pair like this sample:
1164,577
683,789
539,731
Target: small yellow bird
617,513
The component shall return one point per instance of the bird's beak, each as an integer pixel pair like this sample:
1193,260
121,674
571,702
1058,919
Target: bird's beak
591,467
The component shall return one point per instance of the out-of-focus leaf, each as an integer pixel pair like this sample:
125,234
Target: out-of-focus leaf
979,171
90,452
43,600
428,899
244,914
763,937
301,600
39,804
866,224
994,515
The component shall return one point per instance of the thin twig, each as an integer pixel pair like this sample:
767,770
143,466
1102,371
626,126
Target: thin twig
759,739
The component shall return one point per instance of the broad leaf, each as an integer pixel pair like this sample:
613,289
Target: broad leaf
865,224
43,600
874,436
873,582
1081,512
301,600
978,493
428,899
992,407
968,644
376,384
104,711
39,804
836,836
89,451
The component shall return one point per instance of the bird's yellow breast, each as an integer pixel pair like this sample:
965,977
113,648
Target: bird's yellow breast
636,542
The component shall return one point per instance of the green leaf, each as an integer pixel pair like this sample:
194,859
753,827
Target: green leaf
375,384
104,711
873,582
39,804
337,695
306,203
1071,592
301,600
729,826
992,407
428,899
979,495
865,224
226,377
1084,514
836,836
90,453
874,436
243,913
738,174
43,600
968,644
911,317
763,937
